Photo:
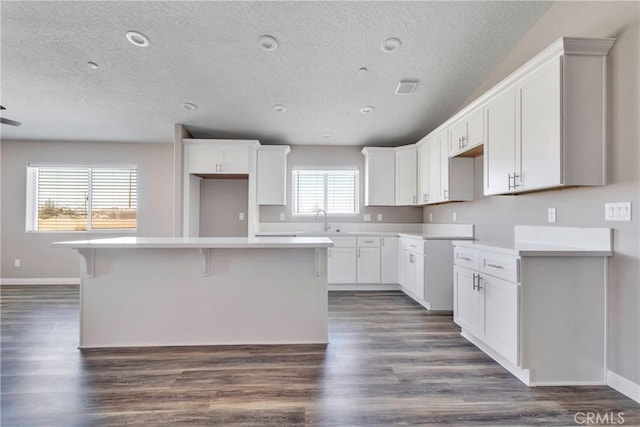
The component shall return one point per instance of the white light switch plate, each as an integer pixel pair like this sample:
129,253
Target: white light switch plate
241,216
16,263
366,217
379,217
551,215
282,216
620,211
454,217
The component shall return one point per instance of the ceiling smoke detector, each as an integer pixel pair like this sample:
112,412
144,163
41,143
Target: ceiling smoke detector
406,86
389,45
280,108
137,39
268,43
189,106
368,109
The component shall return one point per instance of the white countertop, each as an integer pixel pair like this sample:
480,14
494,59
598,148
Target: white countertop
433,236
544,241
198,242
279,233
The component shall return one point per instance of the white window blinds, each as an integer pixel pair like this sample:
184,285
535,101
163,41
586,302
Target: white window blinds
81,198
335,191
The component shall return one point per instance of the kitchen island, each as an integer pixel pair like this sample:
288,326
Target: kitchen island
202,291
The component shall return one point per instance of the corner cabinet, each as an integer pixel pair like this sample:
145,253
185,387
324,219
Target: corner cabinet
379,176
546,127
272,174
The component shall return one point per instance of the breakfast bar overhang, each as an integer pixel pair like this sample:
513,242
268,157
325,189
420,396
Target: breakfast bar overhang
139,291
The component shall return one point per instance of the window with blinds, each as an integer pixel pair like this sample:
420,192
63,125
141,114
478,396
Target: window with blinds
335,191
81,198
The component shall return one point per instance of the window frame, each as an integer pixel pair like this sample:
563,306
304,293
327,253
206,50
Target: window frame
353,169
31,215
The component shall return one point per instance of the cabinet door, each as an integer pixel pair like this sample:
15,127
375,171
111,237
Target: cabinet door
368,265
406,178
342,265
499,144
434,171
389,260
202,159
468,303
539,160
380,189
444,170
272,177
457,137
403,263
501,316
475,129
423,173
234,160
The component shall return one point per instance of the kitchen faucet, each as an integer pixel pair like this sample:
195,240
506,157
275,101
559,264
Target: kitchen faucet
326,226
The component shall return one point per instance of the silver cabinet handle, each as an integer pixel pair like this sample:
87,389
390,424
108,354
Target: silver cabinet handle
475,275
464,258
464,138
515,185
496,266
479,287
510,186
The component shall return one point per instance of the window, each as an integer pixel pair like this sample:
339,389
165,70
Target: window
81,198
335,191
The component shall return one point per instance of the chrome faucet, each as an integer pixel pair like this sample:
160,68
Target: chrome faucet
326,226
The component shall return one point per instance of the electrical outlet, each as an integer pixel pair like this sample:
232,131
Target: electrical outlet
241,216
379,217
617,211
282,216
455,217
366,217
551,215
430,217
16,263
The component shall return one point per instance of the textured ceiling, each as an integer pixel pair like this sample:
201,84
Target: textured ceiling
207,53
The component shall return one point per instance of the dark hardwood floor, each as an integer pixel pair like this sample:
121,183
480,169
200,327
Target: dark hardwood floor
389,362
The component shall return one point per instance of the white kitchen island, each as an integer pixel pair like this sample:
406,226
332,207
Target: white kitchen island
202,291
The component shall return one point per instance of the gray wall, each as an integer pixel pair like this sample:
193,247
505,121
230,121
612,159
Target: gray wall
495,217
221,200
328,157
39,258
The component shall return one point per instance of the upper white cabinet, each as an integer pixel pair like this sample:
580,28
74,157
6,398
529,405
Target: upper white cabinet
406,175
467,133
272,174
379,176
545,125
217,156
423,171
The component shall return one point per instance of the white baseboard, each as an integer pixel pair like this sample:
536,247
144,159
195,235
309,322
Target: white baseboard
41,281
623,385
362,287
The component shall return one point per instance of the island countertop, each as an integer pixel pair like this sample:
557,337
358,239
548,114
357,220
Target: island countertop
199,243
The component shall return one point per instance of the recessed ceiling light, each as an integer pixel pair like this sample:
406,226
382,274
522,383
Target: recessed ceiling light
137,39
326,135
406,86
362,71
92,65
366,110
389,45
268,43
280,108
189,106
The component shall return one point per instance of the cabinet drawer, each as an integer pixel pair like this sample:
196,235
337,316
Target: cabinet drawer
501,266
370,242
414,245
343,242
465,257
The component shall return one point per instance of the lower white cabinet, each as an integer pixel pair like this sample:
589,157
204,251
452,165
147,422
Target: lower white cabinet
389,259
368,265
541,317
412,266
342,265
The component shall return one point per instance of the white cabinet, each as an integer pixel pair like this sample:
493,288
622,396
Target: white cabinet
467,133
216,157
368,265
406,176
413,268
433,150
342,265
379,176
389,259
547,128
541,317
423,171
272,174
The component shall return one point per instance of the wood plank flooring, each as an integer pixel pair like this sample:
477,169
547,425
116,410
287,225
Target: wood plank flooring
389,362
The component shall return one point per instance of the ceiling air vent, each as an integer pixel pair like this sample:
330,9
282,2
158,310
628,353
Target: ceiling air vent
406,86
